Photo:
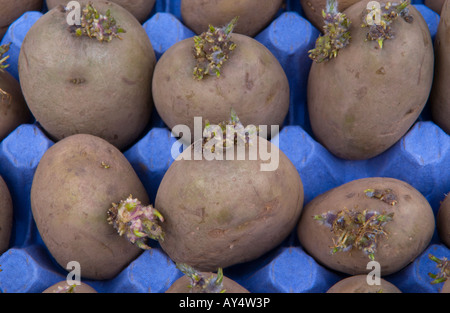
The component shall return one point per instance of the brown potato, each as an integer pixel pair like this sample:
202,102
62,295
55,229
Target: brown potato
396,244
358,284
12,10
364,100
218,213
435,5
139,8
313,10
13,108
440,94
443,221
6,216
252,82
78,85
64,287
446,287
253,15
181,285
75,184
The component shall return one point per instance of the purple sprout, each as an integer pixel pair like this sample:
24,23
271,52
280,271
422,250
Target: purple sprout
136,221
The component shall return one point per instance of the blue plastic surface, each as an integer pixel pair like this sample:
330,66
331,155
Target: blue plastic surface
421,158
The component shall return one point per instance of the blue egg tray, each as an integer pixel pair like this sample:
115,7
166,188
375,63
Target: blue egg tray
421,158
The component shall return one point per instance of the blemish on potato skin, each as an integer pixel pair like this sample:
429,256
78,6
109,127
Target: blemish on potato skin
215,233
362,92
350,195
248,82
381,71
77,81
128,82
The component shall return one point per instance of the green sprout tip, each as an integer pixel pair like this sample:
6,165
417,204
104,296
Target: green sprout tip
212,48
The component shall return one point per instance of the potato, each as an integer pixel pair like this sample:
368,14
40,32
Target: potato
204,282
364,100
12,10
64,287
358,284
443,221
313,10
181,285
6,216
253,15
13,108
395,224
252,82
446,287
139,8
218,213
435,5
78,85
440,95
75,184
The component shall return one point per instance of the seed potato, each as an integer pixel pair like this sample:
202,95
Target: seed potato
13,108
252,82
365,99
6,216
435,5
359,284
12,10
182,285
77,84
313,10
218,213
76,182
253,15
443,221
64,287
139,8
440,94
395,242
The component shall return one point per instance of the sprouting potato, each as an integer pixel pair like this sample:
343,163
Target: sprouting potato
89,79
367,87
77,181
369,219
359,284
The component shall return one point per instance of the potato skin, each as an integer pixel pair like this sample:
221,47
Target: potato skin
440,94
366,99
80,85
443,221
75,183
313,10
223,212
446,287
252,82
435,5
13,108
182,283
83,288
6,216
408,234
358,284
12,10
253,15
139,8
